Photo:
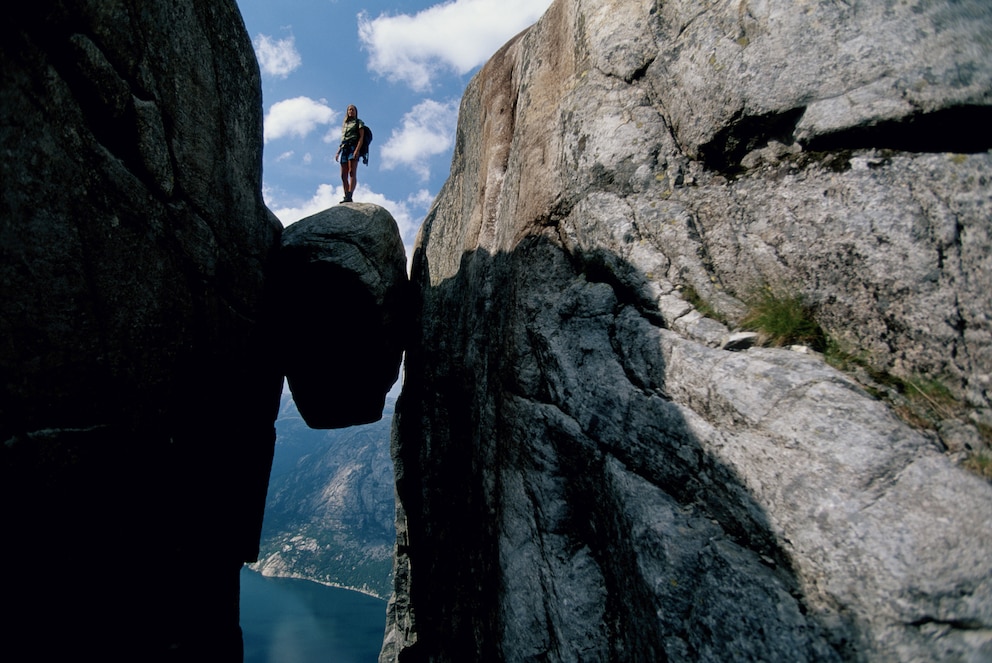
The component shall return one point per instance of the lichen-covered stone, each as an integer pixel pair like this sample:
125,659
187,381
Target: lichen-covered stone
582,472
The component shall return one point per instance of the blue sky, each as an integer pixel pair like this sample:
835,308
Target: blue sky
403,63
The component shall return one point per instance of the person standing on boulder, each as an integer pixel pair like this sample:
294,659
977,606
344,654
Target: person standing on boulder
352,138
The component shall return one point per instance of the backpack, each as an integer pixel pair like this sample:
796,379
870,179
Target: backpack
364,154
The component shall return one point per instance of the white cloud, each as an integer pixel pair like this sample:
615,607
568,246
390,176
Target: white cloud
427,130
296,117
326,196
333,135
458,35
276,58
423,199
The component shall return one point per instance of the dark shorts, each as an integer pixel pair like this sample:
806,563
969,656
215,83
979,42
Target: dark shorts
348,152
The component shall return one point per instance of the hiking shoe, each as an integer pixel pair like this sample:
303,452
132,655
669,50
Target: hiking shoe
346,199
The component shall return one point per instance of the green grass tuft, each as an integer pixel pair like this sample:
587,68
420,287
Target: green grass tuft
784,320
920,401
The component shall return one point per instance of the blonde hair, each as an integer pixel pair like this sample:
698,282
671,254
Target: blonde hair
350,106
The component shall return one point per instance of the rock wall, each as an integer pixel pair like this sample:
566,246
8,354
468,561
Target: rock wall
146,293
138,398
584,472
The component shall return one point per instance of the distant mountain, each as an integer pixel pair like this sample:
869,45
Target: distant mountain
329,513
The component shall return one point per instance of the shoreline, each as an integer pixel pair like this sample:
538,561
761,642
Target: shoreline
325,583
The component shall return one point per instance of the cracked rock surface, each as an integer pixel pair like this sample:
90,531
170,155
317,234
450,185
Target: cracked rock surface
586,468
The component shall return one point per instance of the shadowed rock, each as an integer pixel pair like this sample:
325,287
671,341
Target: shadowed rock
342,293
136,399
138,374
583,474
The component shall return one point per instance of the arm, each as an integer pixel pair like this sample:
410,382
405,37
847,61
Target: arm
361,139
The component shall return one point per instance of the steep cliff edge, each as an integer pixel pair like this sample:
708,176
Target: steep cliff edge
582,473
143,325
136,399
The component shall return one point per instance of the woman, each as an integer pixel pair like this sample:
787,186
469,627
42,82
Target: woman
352,138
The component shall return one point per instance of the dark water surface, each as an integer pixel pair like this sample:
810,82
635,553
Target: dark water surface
285,620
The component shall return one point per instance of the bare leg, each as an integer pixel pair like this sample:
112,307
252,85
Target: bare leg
353,171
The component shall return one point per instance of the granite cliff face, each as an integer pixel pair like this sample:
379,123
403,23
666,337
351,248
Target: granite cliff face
137,404
584,470
141,363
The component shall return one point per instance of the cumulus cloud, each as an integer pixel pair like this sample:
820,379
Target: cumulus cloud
422,199
277,58
296,117
325,196
426,131
455,36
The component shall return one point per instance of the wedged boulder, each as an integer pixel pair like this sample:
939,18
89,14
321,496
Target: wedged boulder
341,289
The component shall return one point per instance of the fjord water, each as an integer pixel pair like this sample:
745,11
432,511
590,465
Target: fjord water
285,620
